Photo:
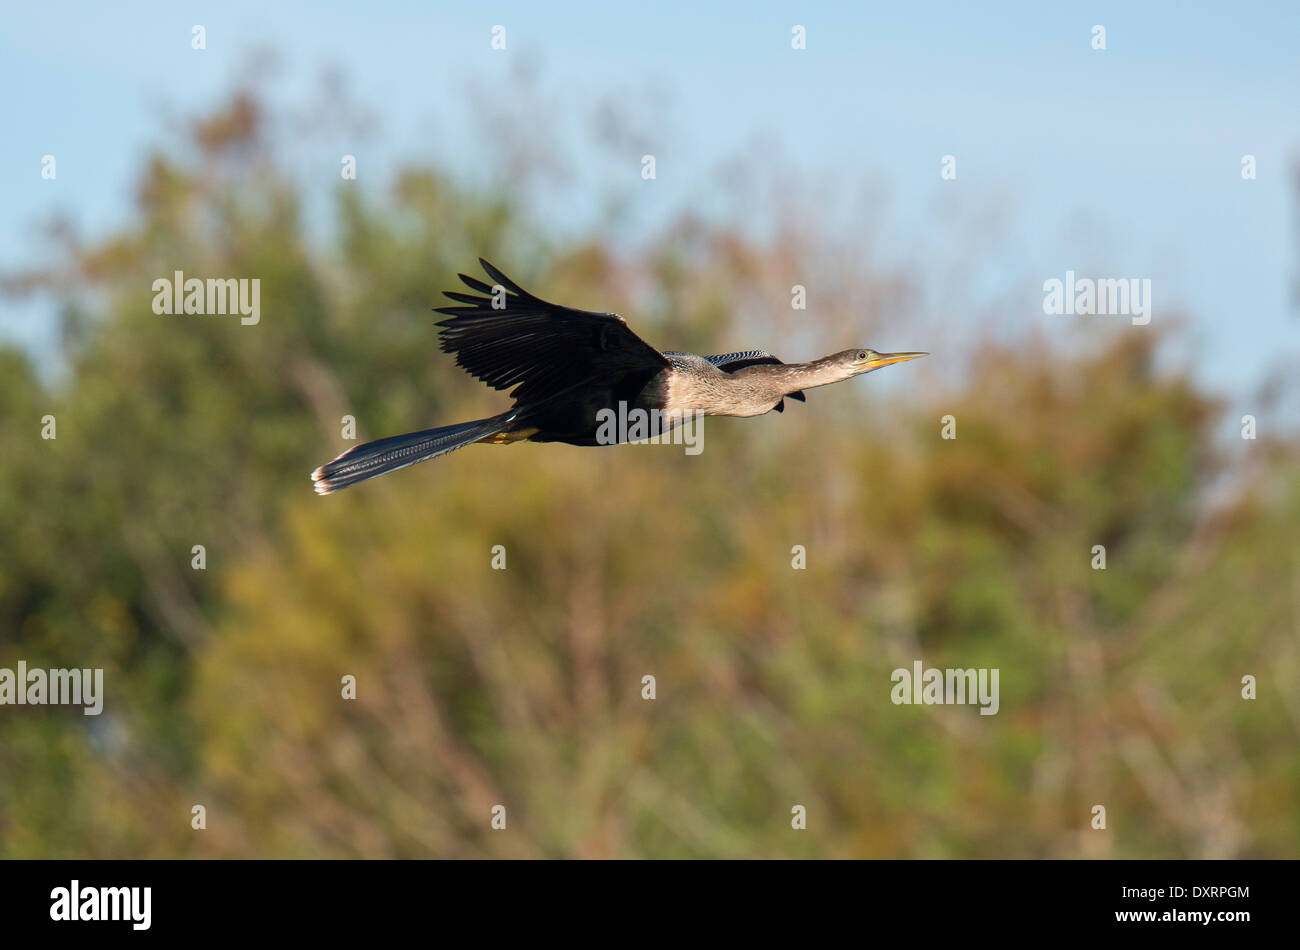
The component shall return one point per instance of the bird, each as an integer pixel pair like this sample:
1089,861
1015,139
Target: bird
568,369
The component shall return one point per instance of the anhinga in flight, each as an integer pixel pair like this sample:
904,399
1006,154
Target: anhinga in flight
567,365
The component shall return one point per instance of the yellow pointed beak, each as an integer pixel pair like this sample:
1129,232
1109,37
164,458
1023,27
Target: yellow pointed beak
887,358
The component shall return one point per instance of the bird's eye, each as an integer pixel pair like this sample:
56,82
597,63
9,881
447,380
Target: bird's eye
862,356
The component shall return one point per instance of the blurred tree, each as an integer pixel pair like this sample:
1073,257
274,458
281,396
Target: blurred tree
523,687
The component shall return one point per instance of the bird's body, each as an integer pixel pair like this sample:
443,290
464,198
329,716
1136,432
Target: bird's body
693,384
689,384
568,369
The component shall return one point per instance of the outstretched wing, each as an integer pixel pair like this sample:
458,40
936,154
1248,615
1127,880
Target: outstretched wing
730,362
540,348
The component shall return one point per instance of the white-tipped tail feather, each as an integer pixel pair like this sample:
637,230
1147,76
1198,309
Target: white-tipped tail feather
398,451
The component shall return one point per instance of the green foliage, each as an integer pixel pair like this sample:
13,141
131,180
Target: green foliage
522,687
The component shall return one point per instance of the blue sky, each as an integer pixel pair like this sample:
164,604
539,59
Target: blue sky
1118,163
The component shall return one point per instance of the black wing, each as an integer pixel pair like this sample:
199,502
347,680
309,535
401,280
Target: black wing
538,347
730,362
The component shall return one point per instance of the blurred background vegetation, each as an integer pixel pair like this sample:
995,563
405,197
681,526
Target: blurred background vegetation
523,687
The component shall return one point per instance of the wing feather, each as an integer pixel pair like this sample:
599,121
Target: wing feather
750,358
540,348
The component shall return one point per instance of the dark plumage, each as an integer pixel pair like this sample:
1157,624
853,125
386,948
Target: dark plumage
564,366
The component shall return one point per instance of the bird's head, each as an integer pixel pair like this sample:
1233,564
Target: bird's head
864,360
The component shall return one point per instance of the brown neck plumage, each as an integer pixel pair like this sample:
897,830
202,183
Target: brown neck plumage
792,377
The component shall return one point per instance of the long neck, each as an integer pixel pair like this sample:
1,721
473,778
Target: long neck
751,391
793,377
